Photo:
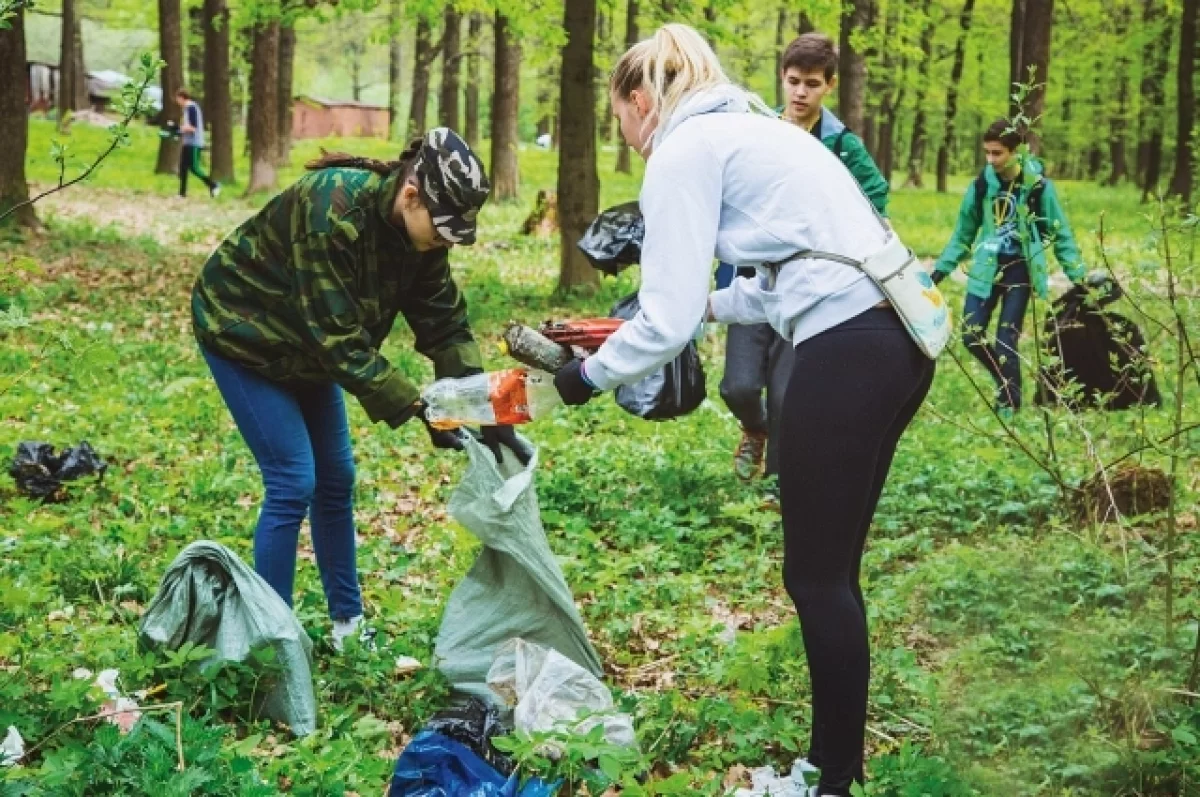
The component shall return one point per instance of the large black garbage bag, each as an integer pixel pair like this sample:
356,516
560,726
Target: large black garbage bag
673,391
1096,349
40,472
475,724
613,241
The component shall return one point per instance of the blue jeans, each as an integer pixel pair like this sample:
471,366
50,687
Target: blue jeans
1011,291
300,438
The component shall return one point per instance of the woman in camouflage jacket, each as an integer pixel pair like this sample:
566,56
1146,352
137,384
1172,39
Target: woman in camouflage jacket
292,309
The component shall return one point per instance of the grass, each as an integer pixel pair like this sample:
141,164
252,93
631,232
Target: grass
1016,650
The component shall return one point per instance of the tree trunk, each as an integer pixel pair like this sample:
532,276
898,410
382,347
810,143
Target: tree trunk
448,99
263,123
72,81
1121,13
170,36
194,80
218,108
892,97
506,95
1181,182
14,121
395,59
1016,35
916,150
1156,60
287,67
474,42
804,24
624,164
780,26
578,182
1038,24
423,55
956,73
856,17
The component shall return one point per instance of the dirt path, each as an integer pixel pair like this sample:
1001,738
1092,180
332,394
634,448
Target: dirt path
196,223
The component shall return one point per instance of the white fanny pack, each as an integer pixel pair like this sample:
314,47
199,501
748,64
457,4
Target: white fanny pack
906,284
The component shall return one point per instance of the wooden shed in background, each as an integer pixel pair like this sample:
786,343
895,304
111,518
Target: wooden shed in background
317,117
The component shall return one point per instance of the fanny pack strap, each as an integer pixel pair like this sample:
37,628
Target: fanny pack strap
813,254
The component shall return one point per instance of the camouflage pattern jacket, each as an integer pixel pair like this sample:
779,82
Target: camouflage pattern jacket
308,289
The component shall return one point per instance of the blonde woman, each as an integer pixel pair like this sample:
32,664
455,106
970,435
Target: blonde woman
725,181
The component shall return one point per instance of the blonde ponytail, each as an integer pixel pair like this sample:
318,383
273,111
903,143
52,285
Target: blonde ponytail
669,66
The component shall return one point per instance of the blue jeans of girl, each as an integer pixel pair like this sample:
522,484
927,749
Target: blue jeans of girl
300,438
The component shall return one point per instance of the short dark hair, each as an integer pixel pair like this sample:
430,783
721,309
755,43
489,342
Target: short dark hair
182,92
810,52
1006,132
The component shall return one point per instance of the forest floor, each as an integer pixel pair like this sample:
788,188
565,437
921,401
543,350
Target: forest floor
1017,649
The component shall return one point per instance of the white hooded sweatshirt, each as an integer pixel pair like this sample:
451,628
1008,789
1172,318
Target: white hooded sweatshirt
750,190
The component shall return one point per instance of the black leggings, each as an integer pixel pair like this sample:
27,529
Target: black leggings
853,391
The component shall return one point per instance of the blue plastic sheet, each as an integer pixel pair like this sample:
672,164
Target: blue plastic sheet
433,765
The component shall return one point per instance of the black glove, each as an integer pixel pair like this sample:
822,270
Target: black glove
937,277
445,439
572,386
496,436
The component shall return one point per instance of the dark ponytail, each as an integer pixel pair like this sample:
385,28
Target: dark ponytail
341,160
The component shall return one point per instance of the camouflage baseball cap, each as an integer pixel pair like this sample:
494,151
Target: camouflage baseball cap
453,184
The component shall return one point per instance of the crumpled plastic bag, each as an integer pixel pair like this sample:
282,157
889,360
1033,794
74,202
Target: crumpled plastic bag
12,749
613,241
515,588
210,597
549,692
433,765
672,391
40,472
474,724
764,782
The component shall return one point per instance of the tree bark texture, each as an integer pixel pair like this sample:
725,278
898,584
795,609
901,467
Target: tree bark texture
1151,121
448,99
263,123
395,59
471,95
804,24
780,25
1181,181
218,107
852,85
506,94
578,182
194,79
1120,121
956,73
624,164
423,55
916,149
287,69
170,37
14,122
72,82
1034,63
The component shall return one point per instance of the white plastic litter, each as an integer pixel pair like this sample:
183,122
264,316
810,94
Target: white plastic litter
764,782
12,749
549,692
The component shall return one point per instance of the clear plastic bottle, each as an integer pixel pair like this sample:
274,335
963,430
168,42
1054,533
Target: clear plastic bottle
514,396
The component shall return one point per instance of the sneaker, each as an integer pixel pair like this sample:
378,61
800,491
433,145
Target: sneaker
343,629
747,460
215,191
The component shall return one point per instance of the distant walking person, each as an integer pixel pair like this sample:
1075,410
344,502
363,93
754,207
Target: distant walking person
192,130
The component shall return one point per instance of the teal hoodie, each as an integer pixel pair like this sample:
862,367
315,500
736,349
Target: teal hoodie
1036,233
841,141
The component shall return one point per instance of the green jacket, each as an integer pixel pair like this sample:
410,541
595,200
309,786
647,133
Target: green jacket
842,142
308,289
1041,223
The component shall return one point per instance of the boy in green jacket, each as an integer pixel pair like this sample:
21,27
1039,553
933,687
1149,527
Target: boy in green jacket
755,356
1015,213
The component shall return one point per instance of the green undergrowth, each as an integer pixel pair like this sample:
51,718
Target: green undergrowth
1016,650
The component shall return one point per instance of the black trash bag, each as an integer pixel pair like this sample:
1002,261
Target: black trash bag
613,241
474,724
673,391
1100,351
40,472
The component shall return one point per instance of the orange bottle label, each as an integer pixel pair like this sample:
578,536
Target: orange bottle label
508,396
